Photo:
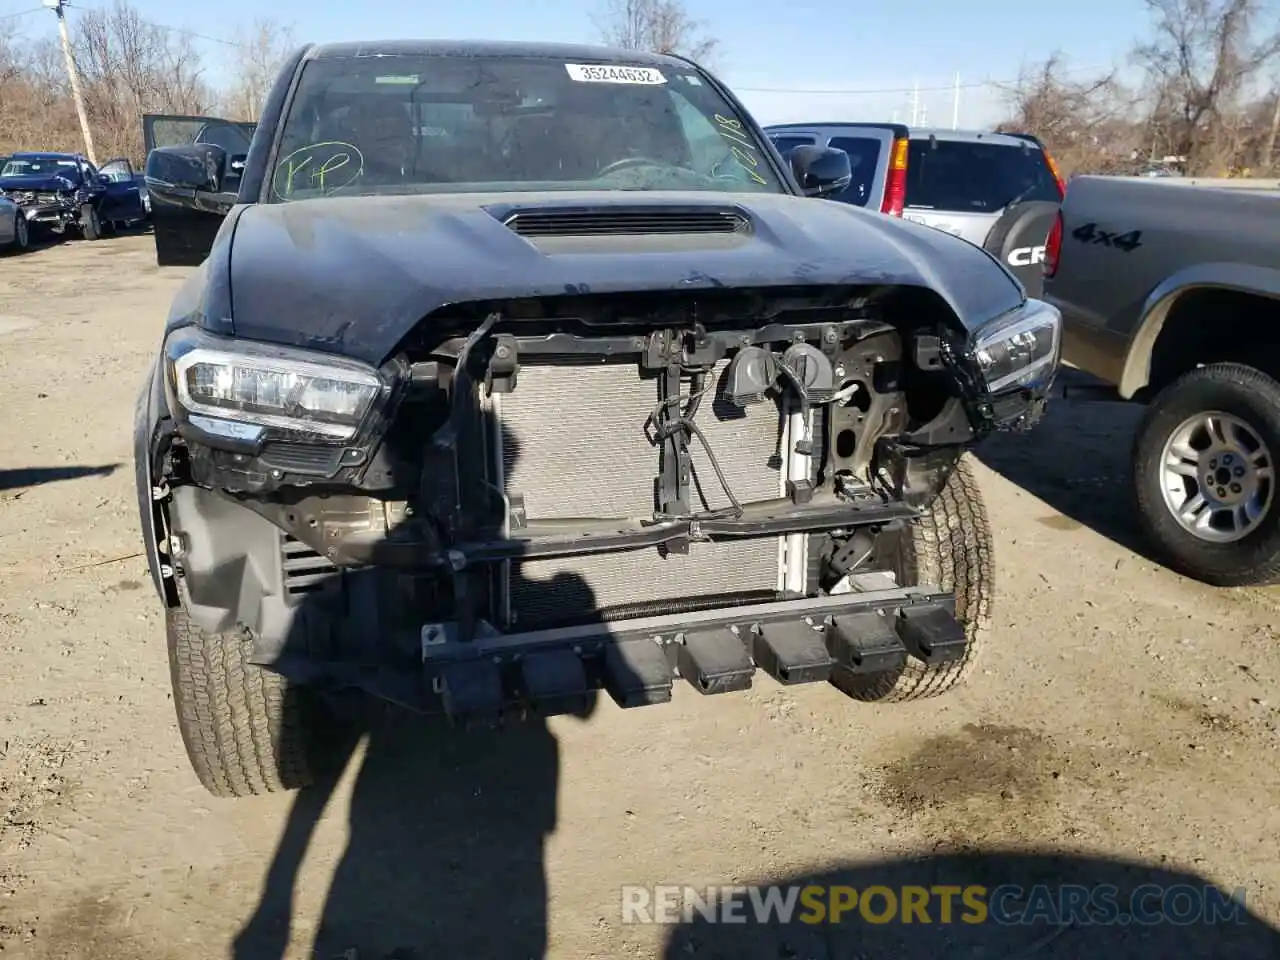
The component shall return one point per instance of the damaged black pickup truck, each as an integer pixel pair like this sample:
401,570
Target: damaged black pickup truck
511,373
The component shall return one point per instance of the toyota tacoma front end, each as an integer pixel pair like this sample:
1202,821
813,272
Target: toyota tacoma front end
486,450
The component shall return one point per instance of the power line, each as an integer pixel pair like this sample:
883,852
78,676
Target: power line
169,29
200,36
21,13
948,87
854,92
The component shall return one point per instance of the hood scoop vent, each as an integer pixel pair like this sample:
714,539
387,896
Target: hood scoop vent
614,221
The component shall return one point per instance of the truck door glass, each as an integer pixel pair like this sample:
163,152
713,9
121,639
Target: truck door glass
864,156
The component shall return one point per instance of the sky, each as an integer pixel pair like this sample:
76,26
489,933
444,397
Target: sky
782,59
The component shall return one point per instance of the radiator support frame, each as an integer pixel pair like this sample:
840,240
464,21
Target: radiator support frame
479,552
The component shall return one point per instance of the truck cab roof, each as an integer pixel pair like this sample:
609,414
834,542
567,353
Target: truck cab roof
545,50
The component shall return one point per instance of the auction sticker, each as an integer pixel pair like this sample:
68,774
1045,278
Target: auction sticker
614,73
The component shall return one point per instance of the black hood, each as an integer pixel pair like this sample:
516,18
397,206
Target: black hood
354,275
51,184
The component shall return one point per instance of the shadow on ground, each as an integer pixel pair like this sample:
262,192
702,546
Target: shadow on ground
1077,461
444,854
1039,905
35,476
447,825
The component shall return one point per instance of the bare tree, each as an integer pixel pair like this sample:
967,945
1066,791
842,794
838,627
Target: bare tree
128,67
1267,155
1082,122
656,26
262,47
1202,58
36,110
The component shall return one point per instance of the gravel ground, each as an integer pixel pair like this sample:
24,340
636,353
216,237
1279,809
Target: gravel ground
1124,728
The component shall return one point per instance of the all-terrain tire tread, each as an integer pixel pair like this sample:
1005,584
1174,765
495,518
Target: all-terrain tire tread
1263,568
245,730
949,546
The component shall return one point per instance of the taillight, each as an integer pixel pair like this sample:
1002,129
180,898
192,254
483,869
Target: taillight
895,190
1057,175
1053,246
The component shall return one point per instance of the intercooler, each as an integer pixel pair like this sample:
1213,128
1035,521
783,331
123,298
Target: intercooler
575,445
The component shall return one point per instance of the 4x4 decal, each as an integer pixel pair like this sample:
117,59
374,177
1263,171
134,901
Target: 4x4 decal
1089,233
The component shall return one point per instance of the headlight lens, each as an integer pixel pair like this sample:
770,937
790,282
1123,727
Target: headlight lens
265,387
1021,349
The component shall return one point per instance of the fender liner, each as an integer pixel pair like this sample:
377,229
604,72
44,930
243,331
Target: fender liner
1238,277
150,416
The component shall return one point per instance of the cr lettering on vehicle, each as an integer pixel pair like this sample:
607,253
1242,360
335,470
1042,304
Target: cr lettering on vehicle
1026,256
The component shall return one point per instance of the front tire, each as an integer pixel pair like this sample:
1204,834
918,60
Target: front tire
246,730
21,234
90,224
949,547
1204,482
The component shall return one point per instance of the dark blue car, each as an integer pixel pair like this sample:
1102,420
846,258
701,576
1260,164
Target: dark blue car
57,191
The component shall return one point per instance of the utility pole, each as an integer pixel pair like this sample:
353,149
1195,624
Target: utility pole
955,104
1269,159
57,6
915,103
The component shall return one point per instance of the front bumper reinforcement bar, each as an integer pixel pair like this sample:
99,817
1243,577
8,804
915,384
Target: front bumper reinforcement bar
874,628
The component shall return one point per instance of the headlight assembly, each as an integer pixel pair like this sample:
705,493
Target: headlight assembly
242,389
1021,349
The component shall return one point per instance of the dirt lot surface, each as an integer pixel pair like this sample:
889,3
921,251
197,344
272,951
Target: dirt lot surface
1124,728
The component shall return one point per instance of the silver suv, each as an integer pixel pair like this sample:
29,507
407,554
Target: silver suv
999,191
961,182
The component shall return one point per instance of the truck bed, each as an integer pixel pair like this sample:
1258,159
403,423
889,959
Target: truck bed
1130,246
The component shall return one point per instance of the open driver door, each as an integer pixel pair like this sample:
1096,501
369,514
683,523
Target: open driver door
193,174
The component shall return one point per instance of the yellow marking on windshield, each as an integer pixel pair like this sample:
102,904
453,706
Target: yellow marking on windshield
743,150
314,167
292,169
336,162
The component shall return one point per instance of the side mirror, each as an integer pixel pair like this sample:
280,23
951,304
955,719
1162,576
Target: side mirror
104,179
821,171
190,176
237,163
199,168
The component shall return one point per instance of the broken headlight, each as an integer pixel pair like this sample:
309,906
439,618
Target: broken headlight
241,389
1020,349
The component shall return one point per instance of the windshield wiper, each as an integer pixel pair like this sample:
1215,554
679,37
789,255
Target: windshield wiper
1030,189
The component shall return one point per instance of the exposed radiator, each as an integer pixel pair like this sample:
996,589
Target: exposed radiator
575,446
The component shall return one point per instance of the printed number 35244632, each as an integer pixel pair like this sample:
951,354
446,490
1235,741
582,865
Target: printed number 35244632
614,73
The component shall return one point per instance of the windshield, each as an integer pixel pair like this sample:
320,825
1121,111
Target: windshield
40,167
964,176
498,124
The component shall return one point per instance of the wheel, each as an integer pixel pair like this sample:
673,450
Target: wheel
949,547
1204,475
246,730
90,225
21,234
